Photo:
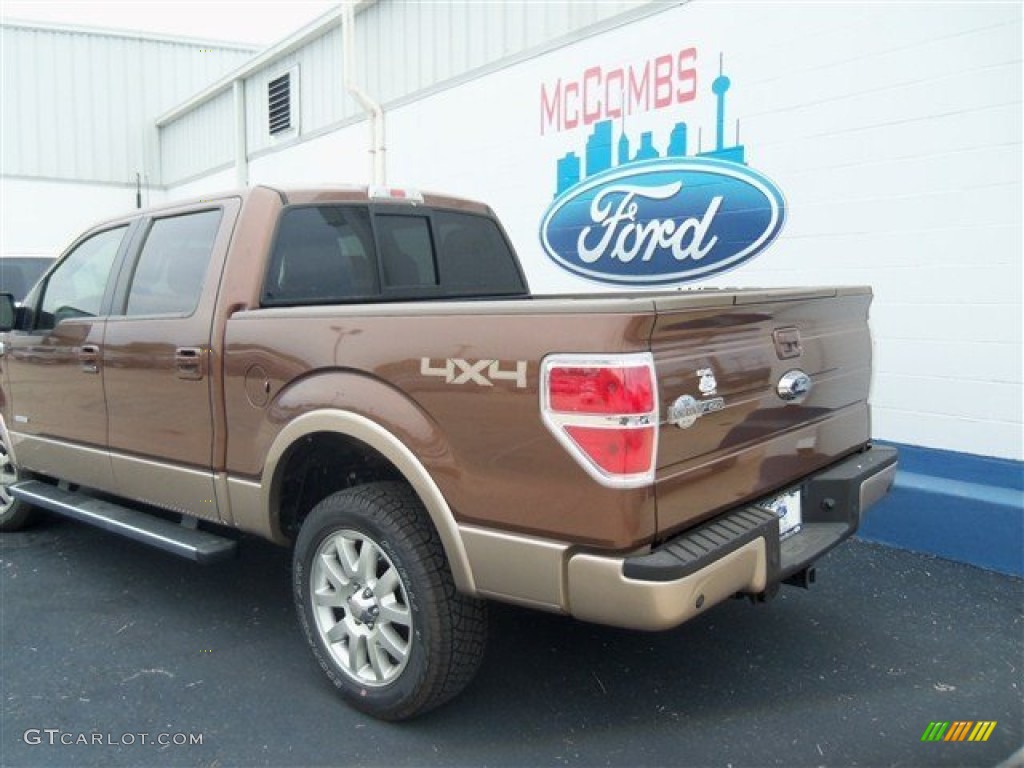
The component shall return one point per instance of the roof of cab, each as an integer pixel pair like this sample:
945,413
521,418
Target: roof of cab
378,195
307,195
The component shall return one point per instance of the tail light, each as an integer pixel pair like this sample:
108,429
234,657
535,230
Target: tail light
604,411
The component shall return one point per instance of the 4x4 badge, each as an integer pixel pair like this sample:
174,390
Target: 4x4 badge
481,372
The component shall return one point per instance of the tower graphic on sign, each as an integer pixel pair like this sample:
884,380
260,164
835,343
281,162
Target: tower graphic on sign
604,152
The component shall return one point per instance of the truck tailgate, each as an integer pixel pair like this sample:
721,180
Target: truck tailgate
727,436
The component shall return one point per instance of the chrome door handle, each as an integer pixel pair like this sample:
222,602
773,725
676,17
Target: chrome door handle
89,357
189,362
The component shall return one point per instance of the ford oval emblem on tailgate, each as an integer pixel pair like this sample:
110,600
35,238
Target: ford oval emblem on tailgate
794,385
671,220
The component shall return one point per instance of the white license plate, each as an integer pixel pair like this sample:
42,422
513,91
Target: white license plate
787,507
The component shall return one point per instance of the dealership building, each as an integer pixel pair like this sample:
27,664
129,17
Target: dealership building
882,140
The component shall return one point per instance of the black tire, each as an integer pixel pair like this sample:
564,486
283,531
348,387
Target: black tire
389,630
15,514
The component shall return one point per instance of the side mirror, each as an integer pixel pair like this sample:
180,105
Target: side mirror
8,314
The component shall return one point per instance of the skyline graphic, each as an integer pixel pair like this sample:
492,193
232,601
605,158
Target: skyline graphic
603,152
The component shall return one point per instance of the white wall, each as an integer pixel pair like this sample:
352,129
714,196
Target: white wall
214,182
339,157
45,216
893,130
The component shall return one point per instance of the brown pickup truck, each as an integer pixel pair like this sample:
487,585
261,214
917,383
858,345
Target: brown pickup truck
363,375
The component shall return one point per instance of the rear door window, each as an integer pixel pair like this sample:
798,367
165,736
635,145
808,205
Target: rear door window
172,267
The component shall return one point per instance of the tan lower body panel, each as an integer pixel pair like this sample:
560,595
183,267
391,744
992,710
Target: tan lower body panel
599,592
517,569
77,464
874,488
168,486
249,509
545,574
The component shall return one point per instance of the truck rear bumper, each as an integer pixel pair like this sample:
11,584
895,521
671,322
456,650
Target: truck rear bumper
737,552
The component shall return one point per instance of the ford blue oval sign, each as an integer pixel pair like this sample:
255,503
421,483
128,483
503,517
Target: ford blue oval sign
671,220
639,207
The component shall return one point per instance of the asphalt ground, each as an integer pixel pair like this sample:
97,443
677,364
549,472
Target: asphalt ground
104,640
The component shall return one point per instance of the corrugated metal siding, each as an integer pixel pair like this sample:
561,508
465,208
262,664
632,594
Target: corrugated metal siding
407,47
80,105
403,48
257,105
319,90
203,141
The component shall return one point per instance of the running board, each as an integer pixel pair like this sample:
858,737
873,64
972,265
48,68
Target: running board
190,543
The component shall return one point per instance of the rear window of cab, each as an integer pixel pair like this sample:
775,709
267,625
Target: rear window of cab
326,254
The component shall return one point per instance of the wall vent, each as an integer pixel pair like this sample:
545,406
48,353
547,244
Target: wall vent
279,104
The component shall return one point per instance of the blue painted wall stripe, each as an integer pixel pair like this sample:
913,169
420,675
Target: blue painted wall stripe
987,494
954,505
